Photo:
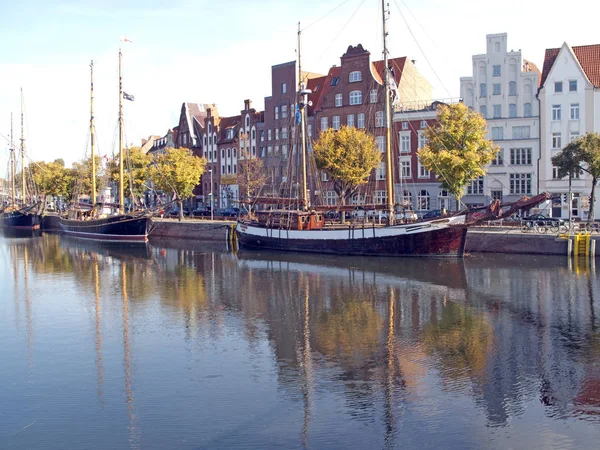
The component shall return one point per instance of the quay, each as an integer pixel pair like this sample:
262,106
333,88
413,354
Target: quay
486,239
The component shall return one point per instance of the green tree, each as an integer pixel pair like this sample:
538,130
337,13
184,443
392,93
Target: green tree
177,171
136,170
457,149
582,154
251,176
81,175
348,156
51,178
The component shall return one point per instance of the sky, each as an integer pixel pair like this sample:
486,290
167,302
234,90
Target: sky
222,51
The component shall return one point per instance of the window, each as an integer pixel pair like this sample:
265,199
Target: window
350,120
497,133
520,156
556,140
270,150
229,153
269,135
520,183
262,135
422,171
335,121
483,110
497,111
423,124
253,135
334,81
558,86
214,139
405,167
284,151
330,198
223,169
380,171
324,125
572,85
222,153
338,100
361,120
555,175
496,87
574,136
405,125
527,109
324,176
283,111
380,197
277,112
380,141
422,140
482,90
574,111
475,187
284,133
262,152
499,159
379,119
204,140
556,113
443,200
276,134
247,121
373,96
523,132
512,110
496,70
356,97
309,130
405,143
496,195
423,200
512,88
253,150
184,139
355,76
283,88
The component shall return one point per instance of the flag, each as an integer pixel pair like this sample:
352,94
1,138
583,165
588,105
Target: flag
395,93
298,115
124,39
126,96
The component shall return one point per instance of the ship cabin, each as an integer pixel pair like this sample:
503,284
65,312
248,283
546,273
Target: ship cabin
291,220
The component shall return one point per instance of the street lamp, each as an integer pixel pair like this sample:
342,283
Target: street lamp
211,195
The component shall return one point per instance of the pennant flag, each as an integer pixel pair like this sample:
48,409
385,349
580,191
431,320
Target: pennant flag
126,96
124,39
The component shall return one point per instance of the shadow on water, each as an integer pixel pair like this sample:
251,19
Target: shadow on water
325,350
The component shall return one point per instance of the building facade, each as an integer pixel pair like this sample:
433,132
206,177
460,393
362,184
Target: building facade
502,88
569,99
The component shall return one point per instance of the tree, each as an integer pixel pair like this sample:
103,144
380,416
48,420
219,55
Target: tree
581,154
251,177
457,149
348,156
51,178
136,170
81,175
177,171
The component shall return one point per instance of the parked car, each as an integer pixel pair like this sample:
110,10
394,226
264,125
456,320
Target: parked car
174,212
432,214
541,219
230,212
332,215
201,211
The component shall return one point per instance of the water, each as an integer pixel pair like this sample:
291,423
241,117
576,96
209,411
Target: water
182,346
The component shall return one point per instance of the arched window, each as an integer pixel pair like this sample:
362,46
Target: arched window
222,153
214,139
356,97
512,110
482,90
527,109
247,121
253,134
512,88
205,140
235,153
423,200
355,76
407,199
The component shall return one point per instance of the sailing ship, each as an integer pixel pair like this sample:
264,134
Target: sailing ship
87,223
24,217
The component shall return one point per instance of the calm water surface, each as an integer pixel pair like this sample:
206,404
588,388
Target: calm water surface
178,345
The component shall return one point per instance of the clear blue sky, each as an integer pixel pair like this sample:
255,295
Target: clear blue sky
221,52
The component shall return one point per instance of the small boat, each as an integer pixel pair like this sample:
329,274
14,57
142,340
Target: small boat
86,222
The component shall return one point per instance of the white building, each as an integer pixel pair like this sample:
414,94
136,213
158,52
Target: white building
503,88
569,98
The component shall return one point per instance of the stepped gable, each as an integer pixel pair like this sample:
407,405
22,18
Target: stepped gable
588,57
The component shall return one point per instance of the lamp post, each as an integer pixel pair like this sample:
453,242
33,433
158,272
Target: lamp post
211,196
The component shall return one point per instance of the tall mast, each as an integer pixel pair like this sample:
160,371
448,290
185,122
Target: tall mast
121,197
388,151
302,102
12,162
23,188
92,134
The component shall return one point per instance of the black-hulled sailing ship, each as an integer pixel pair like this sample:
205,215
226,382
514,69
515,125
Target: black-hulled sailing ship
88,222
13,215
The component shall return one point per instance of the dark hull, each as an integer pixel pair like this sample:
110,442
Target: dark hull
445,242
122,228
21,221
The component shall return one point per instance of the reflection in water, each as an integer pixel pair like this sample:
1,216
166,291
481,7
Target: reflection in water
299,351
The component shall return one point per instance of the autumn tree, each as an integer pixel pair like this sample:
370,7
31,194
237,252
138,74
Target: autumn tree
177,171
348,156
582,154
457,149
81,176
51,178
136,171
251,177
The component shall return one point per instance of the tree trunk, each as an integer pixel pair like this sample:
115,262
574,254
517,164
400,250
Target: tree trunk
343,203
180,205
592,200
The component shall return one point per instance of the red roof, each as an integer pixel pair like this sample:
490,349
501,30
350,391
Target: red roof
588,57
397,66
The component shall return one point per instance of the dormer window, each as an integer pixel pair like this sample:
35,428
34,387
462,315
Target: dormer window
355,76
229,134
334,82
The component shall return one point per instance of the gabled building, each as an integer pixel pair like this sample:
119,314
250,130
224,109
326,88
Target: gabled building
161,144
569,98
502,88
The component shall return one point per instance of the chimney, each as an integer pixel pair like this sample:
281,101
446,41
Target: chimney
247,104
414,61
208,113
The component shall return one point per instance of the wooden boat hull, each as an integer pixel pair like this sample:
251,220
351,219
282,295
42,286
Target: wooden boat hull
21,221
437,238
121,228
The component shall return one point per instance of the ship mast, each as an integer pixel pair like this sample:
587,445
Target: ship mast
388,151
23,188
93,143
12,162
121,197
302,103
